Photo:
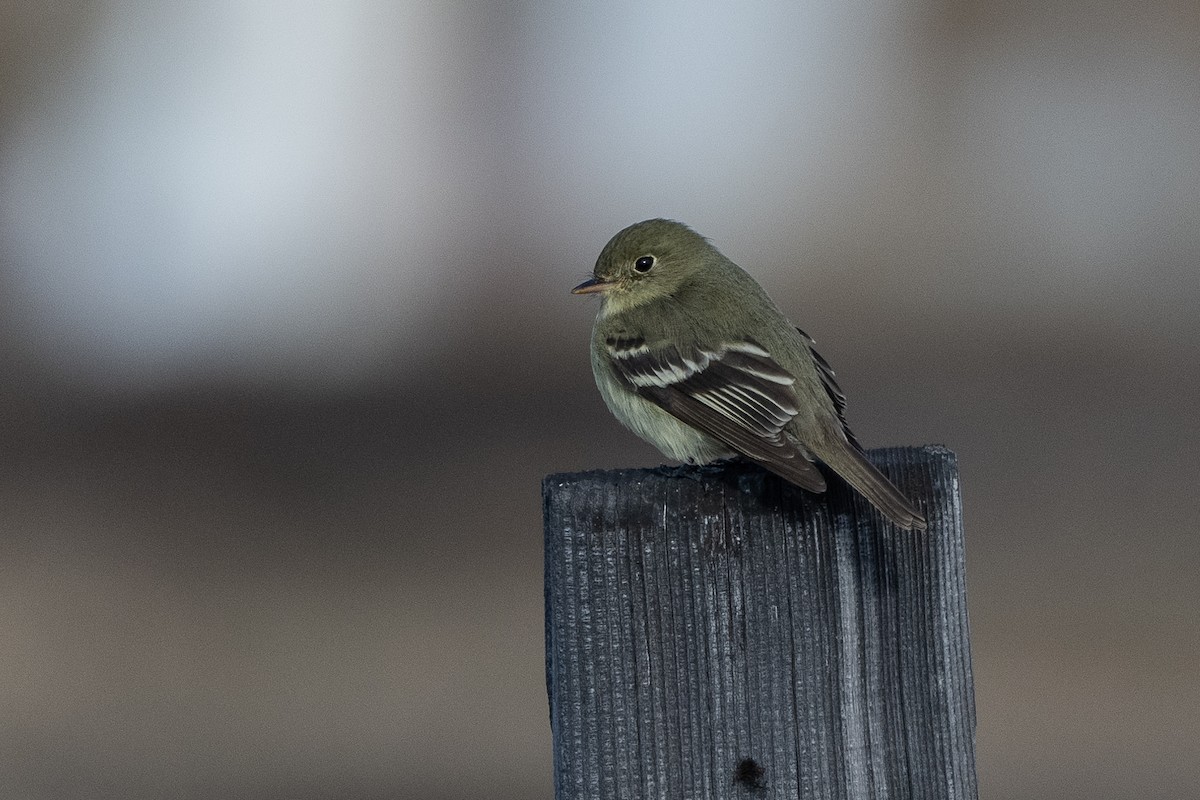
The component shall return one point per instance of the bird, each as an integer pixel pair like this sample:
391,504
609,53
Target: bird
691,354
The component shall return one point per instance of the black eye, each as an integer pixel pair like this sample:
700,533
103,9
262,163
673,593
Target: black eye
644,263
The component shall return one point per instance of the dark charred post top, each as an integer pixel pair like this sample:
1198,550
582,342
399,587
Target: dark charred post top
712,632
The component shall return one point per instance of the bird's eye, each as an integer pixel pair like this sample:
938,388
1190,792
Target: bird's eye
644,263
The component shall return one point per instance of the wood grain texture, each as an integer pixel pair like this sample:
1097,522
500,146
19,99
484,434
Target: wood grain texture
712,632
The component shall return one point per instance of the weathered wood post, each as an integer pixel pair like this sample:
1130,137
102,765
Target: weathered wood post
712,632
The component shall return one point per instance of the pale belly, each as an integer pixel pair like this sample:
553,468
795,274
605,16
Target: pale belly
675,439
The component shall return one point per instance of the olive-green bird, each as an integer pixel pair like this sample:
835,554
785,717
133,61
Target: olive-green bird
691,355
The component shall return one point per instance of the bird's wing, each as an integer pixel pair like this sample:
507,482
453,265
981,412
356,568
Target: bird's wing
831,388
734,392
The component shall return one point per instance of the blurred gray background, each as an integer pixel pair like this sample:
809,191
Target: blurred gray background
286,348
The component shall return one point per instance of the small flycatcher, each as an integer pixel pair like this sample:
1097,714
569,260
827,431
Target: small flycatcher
691,355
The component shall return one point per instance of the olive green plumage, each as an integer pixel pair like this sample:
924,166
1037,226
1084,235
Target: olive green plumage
692,355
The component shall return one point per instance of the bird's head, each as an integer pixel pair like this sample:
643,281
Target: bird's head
647,261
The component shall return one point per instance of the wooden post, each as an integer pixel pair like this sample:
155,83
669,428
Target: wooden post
712,632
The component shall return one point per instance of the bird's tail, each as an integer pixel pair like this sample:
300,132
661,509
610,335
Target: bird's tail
850,463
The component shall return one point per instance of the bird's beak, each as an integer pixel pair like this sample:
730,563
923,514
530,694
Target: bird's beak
590,286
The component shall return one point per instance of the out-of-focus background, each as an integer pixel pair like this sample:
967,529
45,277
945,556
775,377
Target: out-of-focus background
286,348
